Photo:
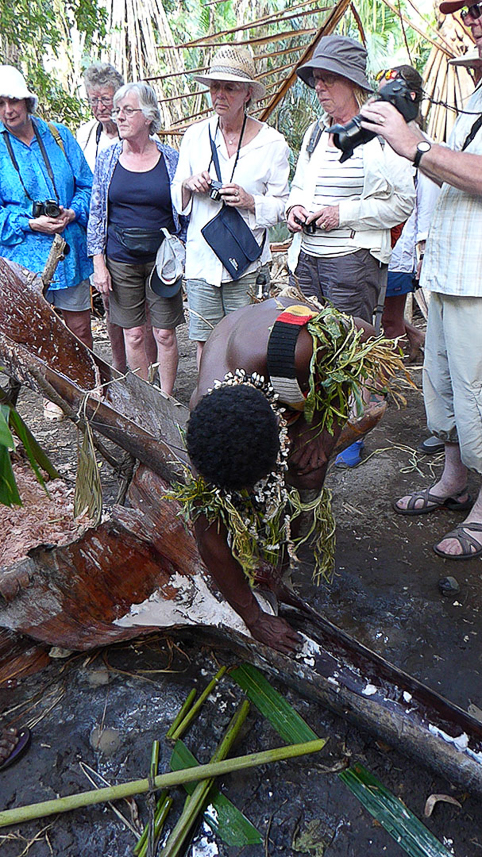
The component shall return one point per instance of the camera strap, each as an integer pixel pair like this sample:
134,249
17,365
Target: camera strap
14,161
473,131
214,152
46,159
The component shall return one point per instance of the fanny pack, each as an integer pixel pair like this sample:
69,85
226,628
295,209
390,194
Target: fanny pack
138,241
228,234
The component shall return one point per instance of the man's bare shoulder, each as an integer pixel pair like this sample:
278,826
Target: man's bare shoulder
240,341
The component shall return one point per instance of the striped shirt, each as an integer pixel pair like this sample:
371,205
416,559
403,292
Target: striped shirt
335,182
453,255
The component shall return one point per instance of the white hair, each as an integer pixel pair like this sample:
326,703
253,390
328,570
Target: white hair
147,102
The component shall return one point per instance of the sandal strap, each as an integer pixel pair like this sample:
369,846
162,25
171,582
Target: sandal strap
427,498
466,540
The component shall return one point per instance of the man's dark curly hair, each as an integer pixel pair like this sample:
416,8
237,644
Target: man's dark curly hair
232,437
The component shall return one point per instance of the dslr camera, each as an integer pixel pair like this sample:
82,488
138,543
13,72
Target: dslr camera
348,137
49,207
214,191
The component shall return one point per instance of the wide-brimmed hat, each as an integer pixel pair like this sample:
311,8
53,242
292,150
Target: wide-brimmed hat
12,85
340,55
471,59
233,63
449,6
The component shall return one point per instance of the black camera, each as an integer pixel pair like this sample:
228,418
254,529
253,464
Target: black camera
348,137
214,191
49,207
308,228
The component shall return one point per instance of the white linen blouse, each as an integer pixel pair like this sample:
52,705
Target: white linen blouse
262,170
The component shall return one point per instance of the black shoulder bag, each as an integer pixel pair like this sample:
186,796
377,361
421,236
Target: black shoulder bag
228,234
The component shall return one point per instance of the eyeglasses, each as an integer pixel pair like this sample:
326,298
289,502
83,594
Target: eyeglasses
106,101
127,111
474,11
326,78
387,74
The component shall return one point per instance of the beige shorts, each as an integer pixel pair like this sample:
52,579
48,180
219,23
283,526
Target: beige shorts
209,304
131,293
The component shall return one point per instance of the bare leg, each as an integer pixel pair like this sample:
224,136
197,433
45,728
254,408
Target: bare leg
416,339
135,350
79,323
452,480
150,345
200,346
393,322
116,336
167,357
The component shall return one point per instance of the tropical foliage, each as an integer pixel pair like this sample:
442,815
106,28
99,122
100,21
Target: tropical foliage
53,40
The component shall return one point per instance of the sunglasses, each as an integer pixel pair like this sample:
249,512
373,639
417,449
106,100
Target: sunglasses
474,11
387,74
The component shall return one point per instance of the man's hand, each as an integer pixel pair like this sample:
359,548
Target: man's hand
385,120
275,632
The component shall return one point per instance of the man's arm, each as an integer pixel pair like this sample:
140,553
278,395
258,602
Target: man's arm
232,582
459,169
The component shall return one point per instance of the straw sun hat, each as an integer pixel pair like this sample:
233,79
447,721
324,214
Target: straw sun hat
233,63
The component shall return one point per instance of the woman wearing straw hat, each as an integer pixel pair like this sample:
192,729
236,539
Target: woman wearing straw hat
253,160
342,213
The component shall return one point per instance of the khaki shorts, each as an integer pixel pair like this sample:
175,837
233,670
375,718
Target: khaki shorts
209,304
130,294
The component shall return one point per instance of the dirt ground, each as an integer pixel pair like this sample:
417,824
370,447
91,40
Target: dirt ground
385,593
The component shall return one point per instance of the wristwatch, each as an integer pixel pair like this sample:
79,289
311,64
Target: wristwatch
422,148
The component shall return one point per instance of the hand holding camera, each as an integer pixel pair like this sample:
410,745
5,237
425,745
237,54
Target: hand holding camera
52,218
348,137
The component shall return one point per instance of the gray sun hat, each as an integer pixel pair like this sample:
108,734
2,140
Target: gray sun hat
340,55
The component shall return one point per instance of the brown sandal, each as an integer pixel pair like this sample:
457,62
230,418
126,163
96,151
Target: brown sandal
465,541
431,503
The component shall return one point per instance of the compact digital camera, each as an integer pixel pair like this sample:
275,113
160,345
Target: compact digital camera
214,191
348,137
308,228
49,207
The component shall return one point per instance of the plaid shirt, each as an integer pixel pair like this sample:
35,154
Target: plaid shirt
453,255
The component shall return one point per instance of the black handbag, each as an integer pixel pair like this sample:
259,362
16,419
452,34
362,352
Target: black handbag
228,234
139,241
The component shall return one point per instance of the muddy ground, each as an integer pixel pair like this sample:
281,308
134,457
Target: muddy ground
385,593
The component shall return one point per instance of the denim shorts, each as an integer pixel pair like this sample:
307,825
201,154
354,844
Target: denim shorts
75,299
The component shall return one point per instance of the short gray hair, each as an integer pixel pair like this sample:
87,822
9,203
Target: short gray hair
147,102
102,74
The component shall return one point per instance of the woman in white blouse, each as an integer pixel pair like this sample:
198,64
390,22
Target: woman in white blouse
253,160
